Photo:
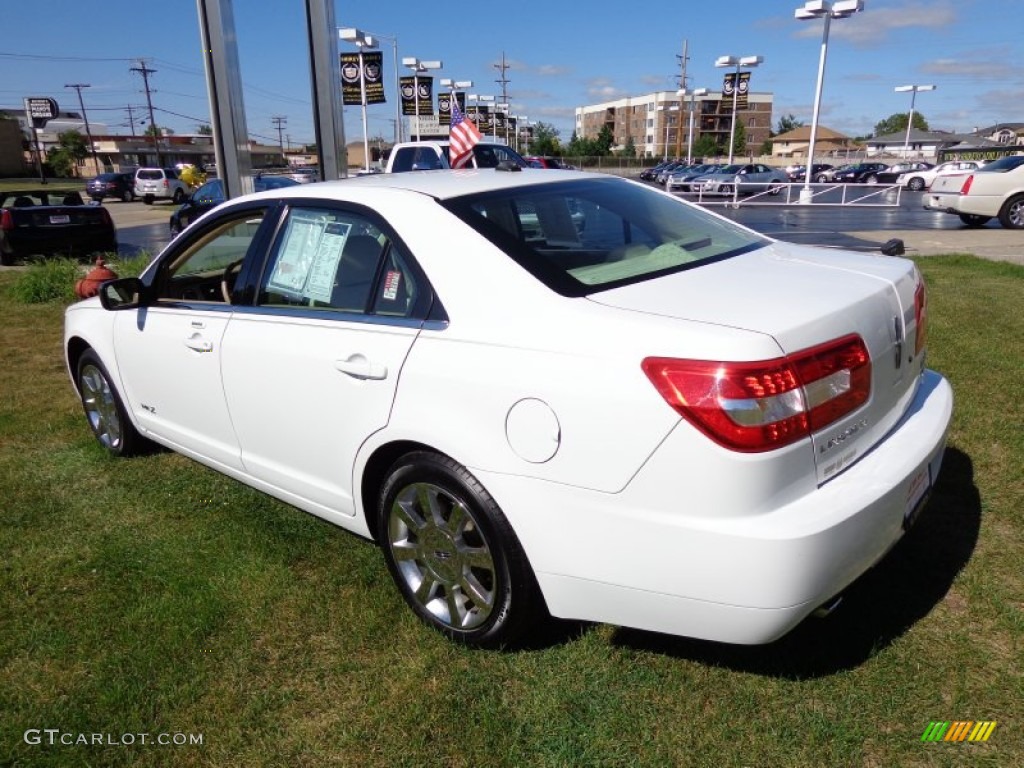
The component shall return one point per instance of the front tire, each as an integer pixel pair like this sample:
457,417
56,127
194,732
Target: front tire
1011,215
453,554
127,196
179,197
916,184
104,409
871,179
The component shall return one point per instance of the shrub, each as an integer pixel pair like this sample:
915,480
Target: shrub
49,280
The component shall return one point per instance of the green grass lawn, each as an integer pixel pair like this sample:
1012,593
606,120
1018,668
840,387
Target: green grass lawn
152,596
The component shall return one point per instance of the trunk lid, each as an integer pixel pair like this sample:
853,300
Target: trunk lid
803,297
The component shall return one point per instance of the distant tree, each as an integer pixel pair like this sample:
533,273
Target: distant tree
70,150
204,130
706,146
604,142
630,149
767,146
545,140
739,141
156,130
788,123
898,122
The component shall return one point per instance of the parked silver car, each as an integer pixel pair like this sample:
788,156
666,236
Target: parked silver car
745,179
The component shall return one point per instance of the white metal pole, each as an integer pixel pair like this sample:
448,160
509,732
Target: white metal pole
735,94
689,138
366,134
910,122
806,195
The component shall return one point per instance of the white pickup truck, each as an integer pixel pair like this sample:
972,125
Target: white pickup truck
995,190
433,155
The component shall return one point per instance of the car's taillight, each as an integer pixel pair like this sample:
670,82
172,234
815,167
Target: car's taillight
764,405
920,314
6,221
967,185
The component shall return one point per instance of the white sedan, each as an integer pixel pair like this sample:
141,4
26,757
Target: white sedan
917,180
540,392
996,190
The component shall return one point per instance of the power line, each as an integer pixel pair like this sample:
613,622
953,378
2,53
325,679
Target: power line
280,121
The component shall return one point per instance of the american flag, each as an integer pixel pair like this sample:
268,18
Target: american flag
462,135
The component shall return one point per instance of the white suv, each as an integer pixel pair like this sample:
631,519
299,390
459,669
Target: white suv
160,183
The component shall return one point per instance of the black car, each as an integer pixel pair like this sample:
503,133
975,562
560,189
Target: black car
211,194
42,222
860,173
120,185
798,172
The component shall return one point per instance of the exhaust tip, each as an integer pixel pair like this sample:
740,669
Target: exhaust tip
826,608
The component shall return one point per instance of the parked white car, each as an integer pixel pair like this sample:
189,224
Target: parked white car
539,391
996,190
153,184
922,179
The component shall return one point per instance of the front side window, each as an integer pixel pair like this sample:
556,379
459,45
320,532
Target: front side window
205,270
583,236
339,261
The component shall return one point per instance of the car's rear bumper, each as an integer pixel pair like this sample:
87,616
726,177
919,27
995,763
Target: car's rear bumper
20,244
642,559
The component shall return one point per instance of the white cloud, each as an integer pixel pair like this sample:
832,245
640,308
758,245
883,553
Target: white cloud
873,25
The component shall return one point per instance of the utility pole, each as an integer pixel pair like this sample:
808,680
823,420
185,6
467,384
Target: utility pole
682,85
85,118
503,82
280,121
145,71
131,120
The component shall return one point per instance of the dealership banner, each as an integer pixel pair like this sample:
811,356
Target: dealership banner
482,116
444,105
373,77
729,84
407,85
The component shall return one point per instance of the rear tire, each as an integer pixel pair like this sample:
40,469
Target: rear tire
916,184
104,409
453,554
1011,215
179,197
871,179
147,199
974,220
127,196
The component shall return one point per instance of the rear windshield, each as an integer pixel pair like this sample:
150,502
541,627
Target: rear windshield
149,175
1003,164
580,237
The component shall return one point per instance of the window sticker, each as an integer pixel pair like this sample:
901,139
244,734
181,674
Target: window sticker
391,283
322,271
308,261
300,245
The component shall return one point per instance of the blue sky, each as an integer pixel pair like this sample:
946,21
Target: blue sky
561,56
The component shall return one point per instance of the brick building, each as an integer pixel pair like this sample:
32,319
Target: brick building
659,122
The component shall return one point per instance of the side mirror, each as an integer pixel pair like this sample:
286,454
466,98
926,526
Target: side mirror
123,293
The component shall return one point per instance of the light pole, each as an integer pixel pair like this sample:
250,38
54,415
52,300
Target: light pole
736,61
88,133
453,86
666,108
816,9
525,136
910,118
361,40
693,109
418,66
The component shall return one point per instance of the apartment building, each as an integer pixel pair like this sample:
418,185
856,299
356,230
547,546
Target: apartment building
659,122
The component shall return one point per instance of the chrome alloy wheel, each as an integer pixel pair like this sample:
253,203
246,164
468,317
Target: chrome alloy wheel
442,555
100,407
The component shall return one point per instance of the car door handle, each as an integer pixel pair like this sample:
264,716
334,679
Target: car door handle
359,367
198,344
